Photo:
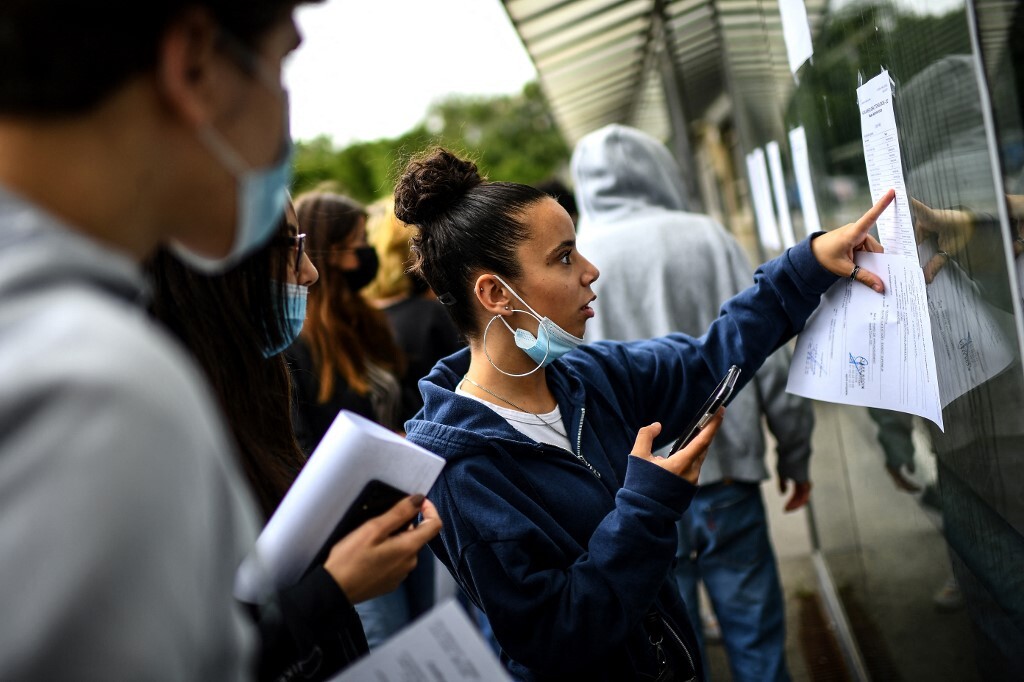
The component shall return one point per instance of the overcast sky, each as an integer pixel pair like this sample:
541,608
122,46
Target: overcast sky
370,68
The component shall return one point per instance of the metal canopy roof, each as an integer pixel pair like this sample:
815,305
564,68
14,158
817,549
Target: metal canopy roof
606,61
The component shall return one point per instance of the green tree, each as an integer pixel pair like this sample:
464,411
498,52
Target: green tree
511,137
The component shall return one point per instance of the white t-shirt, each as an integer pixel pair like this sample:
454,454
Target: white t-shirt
543,428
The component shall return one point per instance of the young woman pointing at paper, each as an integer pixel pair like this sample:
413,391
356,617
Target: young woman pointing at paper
236,324
558,521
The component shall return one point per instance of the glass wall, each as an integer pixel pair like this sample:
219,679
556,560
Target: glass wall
911,519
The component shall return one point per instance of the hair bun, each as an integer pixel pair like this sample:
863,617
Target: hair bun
431,184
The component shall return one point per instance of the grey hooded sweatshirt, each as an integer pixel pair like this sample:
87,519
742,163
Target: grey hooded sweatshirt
122,515
666,270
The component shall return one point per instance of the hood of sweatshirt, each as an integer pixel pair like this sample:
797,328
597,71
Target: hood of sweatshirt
619,171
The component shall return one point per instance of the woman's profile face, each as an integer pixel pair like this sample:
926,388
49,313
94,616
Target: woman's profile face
556,278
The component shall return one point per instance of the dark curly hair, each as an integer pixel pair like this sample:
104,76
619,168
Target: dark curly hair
467,226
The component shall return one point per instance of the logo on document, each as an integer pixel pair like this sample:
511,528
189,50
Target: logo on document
856,372
968,352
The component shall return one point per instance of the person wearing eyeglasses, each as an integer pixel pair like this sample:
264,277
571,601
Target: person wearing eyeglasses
347,358
235,325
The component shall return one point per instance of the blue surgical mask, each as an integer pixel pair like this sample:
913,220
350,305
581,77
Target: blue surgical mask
294,316
550,343
261,193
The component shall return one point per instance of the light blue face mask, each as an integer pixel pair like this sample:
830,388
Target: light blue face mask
294,316
261,193
551,342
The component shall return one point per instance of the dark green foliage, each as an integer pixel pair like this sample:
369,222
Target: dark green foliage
511,138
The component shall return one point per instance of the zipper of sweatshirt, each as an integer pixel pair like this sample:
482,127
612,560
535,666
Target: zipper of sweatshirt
579,445
679,640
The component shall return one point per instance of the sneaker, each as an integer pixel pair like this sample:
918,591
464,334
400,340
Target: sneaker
710,628
949,597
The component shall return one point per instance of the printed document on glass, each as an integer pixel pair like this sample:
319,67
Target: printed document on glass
353,452
802,171
972,340
885,164
442,645
796,31
761,195
779,190
875,350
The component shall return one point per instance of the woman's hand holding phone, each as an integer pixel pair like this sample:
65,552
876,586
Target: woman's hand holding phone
374,558
685,462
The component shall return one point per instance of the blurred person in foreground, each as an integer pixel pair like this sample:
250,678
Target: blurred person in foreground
667,270
236,325
123,516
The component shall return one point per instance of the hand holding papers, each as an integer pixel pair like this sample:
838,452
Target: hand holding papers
353,452
931,337
870,349
442,645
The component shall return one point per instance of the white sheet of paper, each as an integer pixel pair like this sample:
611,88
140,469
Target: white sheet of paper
353,452
885,164
796,31
802,171
442,645
760,194
779,190
970,337
869,349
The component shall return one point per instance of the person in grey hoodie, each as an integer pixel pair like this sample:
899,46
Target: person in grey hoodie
668,270
123,518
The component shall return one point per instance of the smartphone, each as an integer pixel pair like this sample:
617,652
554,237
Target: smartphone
375,498
711,406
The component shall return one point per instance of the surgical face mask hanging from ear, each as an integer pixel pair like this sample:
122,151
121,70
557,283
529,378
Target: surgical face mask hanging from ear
551,342
261,192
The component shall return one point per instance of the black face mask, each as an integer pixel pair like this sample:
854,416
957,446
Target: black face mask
365,271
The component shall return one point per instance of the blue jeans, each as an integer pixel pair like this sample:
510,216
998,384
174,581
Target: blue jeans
724,543
383,616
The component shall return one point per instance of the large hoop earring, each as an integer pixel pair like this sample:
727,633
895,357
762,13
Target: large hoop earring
487,353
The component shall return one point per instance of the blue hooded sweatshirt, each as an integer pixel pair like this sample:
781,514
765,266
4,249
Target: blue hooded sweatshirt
572,566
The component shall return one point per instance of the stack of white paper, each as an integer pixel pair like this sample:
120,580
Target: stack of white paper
442,645
353,452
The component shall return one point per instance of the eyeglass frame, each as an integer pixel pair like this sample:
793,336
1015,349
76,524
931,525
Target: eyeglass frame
297,242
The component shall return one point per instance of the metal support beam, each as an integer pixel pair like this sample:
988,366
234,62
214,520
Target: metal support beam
680,143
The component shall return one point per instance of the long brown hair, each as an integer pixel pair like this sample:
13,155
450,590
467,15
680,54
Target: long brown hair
226,321
342,330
